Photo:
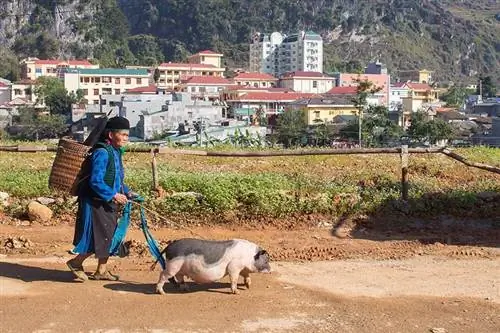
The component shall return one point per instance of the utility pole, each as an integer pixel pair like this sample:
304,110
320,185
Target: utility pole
359,127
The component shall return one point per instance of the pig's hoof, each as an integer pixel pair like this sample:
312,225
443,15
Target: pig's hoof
235,291
160,290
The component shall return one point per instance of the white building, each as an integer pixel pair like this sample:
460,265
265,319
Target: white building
397,92
105,81
278,53
307,82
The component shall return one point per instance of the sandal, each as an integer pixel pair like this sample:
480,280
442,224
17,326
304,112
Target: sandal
77,271
106,276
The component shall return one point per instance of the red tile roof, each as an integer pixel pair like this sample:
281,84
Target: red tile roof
255,76
143,90
57,62
418,86
247,88
208,52
185,65
343,90
207,80
3,85
303,74
278,96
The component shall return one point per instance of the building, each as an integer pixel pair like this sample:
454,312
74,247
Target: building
181,110
278,53
376,68
207,57
397,92
420,95
33,68
307,82
324,109
205,87
268,102
5,91
24,89
256,80
416,76
128,105
172,74
381,81
95,83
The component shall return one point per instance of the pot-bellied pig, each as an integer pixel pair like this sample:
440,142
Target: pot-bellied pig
206,261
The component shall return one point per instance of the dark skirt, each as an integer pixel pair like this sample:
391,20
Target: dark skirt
95,226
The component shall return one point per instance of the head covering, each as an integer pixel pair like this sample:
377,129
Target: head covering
118,123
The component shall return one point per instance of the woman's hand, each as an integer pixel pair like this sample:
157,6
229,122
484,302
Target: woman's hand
120,198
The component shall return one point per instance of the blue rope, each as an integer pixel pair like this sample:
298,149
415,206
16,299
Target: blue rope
123,225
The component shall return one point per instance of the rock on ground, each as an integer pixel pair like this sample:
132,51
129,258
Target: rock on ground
38,212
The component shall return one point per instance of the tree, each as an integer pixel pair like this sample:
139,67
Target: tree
145,49
377,128
424,130
488,87
35,126
364,89
291,126
9,66
51,91
455,96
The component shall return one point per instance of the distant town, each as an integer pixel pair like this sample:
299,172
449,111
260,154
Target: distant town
285,72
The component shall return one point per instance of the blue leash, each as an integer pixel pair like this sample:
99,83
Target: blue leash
122,228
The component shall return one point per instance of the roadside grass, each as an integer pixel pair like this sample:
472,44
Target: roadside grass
284,186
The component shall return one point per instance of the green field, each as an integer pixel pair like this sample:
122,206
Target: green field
286,186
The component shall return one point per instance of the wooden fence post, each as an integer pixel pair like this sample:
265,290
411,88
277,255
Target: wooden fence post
404,172
154,169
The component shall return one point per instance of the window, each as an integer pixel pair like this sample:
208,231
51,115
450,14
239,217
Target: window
168,72
202,58
117,91
17,92
193,89
117,80
316,114
85,92
96,101
315,84
138,80
96,92
106,79
128,80
203,89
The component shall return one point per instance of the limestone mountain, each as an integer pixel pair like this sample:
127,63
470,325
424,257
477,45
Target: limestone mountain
458,39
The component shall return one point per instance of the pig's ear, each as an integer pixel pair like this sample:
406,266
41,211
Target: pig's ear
260,253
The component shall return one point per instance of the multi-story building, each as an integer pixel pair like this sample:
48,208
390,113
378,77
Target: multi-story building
33,68
381,81
256,80
416,76
398,91
106,81
5,91
307,82
278,53
205,87
172,74
207,57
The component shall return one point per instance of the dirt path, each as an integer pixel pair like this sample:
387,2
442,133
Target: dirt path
365,286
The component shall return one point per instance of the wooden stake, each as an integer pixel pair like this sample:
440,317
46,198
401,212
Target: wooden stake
404,172
154,169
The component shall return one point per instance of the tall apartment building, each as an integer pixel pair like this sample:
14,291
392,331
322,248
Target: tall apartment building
278,53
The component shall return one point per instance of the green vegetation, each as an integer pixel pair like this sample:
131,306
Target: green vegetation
280,187
452,38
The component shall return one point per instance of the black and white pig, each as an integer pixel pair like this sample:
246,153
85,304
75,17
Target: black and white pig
206,261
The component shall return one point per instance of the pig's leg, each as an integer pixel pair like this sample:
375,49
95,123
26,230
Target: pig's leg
182,284
234,274
170,271
246,277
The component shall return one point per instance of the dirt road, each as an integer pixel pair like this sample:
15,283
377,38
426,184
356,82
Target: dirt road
319,284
